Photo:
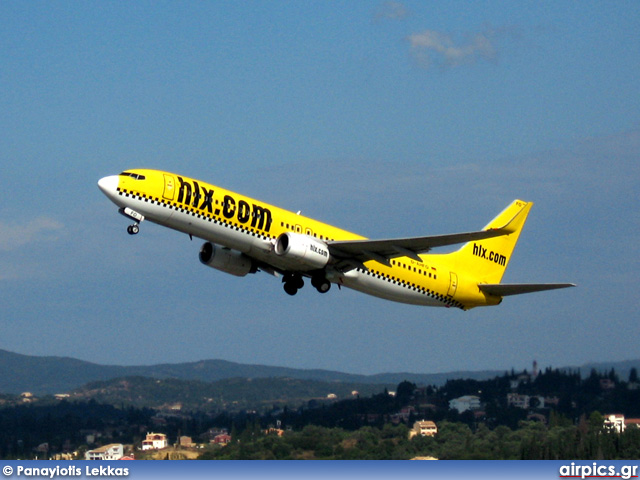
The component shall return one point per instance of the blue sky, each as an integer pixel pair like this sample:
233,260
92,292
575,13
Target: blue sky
384,118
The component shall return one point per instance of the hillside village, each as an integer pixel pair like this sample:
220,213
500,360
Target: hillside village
64,428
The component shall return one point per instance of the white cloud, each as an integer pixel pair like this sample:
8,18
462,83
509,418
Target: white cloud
14,236
432,47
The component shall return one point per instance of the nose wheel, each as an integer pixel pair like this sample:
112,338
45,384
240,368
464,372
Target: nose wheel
132,215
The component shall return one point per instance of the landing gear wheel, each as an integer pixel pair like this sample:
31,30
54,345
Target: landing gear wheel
321,284
290,288
292,283
133,229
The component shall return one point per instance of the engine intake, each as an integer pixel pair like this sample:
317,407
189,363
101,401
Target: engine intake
226,260
307,252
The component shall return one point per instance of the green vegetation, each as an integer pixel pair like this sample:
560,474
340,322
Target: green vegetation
233,395
59,426
562,417
455,441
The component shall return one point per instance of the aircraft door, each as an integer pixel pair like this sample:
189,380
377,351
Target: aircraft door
169,187
453,284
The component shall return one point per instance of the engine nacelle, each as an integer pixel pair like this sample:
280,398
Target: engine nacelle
229,261
307,252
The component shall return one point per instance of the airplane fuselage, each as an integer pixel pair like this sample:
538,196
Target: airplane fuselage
249,226
244,235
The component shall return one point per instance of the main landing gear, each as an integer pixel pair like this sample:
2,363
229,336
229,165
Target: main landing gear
321,283
133,229
294,282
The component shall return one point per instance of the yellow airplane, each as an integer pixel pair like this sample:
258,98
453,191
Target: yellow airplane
243,235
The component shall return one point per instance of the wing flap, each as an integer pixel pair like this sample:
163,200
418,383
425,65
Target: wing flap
506,289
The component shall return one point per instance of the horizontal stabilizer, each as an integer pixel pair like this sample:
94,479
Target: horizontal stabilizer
505,289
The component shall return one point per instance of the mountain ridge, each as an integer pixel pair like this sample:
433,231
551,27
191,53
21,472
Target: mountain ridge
54,374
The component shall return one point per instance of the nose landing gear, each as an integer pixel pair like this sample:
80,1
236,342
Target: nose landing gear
135,216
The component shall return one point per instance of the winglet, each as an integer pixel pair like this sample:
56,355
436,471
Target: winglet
516,222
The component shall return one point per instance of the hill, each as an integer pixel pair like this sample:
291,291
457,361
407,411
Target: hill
49,374
232,394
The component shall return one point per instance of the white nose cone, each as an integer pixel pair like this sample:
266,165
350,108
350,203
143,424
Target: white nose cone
109,185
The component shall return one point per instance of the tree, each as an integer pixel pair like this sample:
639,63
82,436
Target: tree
596,421
404,392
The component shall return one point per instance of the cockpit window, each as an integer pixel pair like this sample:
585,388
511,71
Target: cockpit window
133,175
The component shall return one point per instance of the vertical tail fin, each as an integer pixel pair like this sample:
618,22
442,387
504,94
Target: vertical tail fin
487,260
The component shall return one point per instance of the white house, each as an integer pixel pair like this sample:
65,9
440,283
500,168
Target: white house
113,451
424,428
524,401
462,404
615,421
155,441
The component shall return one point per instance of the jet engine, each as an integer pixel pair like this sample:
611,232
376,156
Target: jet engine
306,252
227,260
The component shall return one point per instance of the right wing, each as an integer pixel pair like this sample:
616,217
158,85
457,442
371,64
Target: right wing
353,253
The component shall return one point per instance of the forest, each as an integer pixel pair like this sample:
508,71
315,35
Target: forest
588,440
565,418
